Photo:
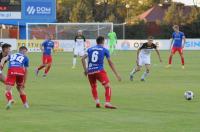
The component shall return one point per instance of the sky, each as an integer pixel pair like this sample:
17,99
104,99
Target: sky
188,2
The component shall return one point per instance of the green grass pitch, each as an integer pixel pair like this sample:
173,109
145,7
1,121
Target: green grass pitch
62,102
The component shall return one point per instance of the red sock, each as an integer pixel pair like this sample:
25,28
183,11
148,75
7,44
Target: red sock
47,69
41,67
108,94
94,92
182,60
8,95
170,60
23,98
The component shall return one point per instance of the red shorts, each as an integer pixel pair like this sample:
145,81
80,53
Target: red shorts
47,59
15,75
174,50
101,76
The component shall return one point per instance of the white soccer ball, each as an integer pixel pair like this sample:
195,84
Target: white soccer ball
189,95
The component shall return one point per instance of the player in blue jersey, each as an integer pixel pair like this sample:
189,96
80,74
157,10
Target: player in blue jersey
17,73
177,44
95,71
47,47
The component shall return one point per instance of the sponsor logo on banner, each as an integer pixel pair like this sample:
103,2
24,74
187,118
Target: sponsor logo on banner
38,9
192,44
68,45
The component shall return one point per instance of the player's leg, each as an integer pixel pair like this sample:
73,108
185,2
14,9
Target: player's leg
173,51
20,88
180,50
43,65
134,71
75,58
103,78
48,66
93,84
146,73
137,68
10,82
112,49
2,78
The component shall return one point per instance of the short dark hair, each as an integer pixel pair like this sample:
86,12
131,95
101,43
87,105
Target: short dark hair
5,46
22,48
100,40
150,37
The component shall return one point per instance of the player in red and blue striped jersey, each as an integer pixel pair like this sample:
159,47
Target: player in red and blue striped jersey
95,71
177,44
47,47
17,73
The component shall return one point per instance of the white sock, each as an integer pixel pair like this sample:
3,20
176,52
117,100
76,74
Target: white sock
145,75
108,103
74,62
133,72
97,101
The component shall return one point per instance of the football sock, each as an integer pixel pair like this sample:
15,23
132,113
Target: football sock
182,60
74,62
145,75
41,67
170,60
133,72
108,94
8,95
94,92
47,69
97,101
23,98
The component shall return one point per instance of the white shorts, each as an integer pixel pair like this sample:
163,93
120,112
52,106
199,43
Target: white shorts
79,52
144,60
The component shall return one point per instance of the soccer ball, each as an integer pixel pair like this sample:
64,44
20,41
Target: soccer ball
189,95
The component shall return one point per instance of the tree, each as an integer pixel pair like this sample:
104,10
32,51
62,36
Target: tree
81,12
174,15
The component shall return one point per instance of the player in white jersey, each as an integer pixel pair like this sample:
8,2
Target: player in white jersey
79,47
144,58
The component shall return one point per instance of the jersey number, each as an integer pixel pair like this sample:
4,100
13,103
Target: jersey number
17,58
95,56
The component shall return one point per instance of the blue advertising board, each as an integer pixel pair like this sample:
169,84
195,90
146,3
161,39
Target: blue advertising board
32,11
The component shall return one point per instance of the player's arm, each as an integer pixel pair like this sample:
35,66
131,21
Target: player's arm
84,64
53,48
3,60
171,41
84,42
137,59
158,53
75,42
26,65
116,38
112,66
42,46
184,41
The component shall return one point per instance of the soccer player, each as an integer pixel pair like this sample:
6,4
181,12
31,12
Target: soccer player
144,58
47,48
79,47
96,72
112,41
4,53
17,73
177,44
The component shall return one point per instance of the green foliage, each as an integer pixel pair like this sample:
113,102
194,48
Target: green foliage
81,13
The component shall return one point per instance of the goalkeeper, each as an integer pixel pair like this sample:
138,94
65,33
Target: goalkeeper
112,41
